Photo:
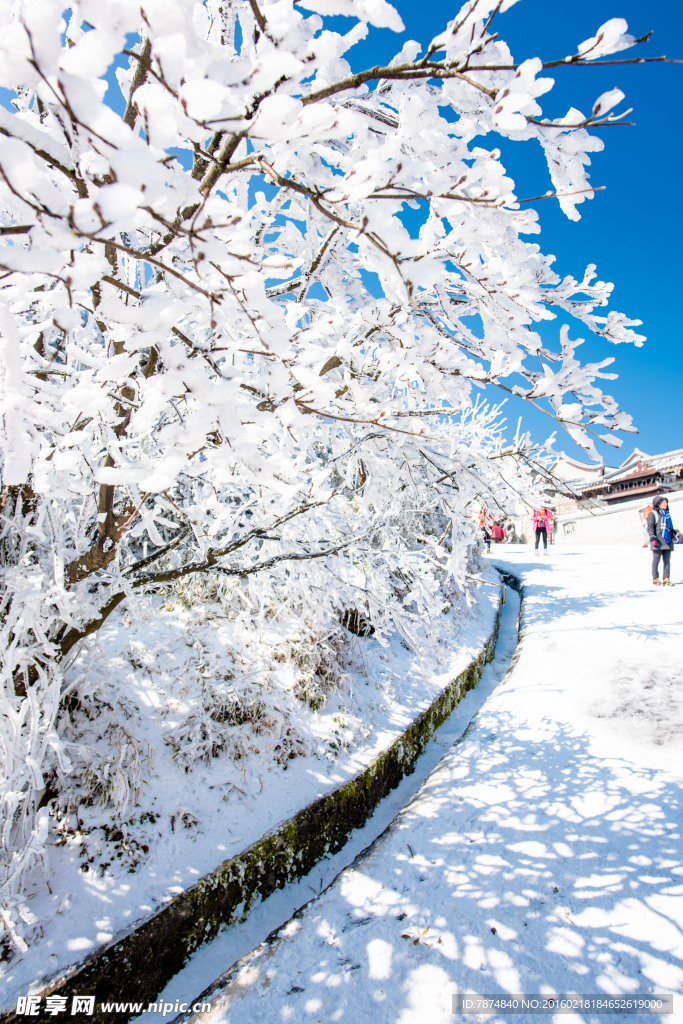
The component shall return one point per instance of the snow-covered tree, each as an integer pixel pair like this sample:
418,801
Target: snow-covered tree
245,296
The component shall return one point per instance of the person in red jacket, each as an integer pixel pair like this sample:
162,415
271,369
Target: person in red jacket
498,533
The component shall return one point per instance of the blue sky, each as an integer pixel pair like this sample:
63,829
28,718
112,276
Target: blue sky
632,231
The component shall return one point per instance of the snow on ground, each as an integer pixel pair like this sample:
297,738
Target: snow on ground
542,855
154,678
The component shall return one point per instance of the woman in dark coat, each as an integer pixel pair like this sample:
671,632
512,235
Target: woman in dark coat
662,534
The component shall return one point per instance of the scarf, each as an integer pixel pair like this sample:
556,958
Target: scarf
667,526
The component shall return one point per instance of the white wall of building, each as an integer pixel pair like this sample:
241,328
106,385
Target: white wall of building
620,524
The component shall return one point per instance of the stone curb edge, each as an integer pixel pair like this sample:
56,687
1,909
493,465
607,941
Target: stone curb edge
143,960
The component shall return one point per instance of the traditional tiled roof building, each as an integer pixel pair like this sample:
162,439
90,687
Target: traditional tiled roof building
598,504
639,476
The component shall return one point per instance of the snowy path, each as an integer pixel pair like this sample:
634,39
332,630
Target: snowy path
544,852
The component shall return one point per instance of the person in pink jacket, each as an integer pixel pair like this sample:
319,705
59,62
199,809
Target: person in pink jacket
543,525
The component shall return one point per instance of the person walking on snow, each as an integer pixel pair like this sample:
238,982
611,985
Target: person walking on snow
663,535
485,524
543,525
